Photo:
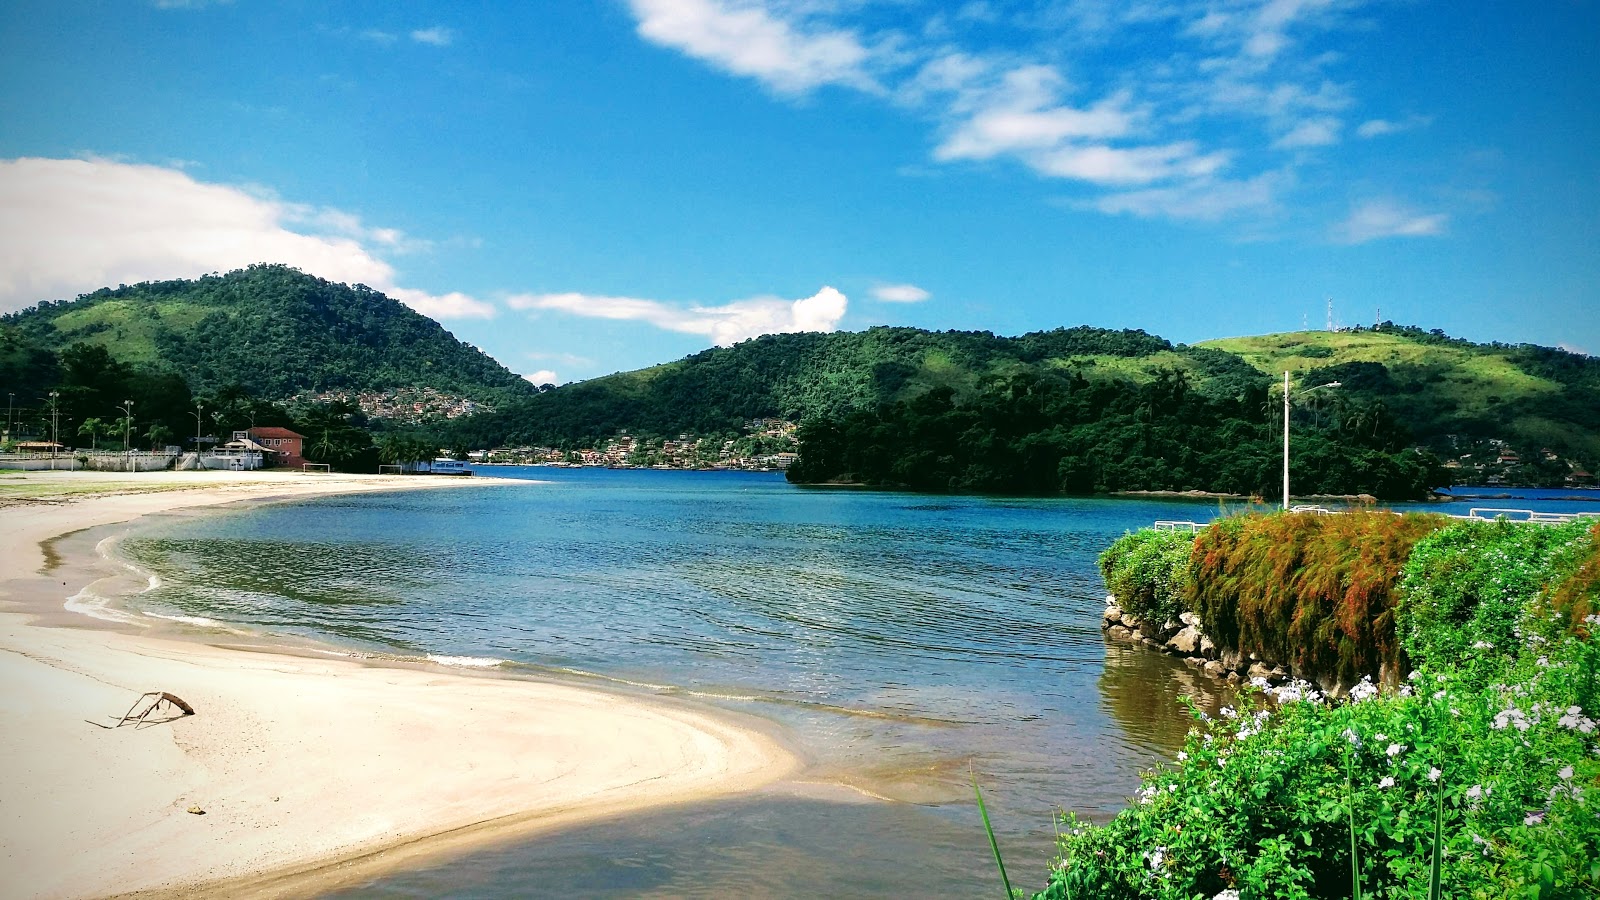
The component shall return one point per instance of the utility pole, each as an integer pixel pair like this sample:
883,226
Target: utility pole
1330,313
198,408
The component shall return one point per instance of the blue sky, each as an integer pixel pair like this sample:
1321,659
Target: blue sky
580,188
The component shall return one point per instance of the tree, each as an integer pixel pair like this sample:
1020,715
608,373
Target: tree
93,428
158,436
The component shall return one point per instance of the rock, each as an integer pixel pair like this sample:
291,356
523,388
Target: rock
1232,660
1257,670
196,811
1233,678
1194,662
1119,632
1112,616
1151,643
1279,673
1189,618
1170,627
1185,641
1214,669
1206,648
1129,619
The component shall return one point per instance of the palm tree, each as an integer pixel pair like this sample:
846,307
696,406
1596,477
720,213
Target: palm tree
93,427
158,435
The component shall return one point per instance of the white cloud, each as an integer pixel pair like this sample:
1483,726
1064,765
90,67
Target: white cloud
543,376
437,36
1381,218
745,38
724,325
900,293
379,36
1379,127
1572,348
68,226
1318,132
1206,200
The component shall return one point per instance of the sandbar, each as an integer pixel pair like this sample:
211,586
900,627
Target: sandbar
308,771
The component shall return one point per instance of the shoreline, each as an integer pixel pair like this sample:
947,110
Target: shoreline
312,772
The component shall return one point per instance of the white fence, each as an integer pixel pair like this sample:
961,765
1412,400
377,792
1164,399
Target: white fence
93,460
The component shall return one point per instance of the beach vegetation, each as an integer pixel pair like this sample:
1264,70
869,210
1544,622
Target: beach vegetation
1147,571
1457,781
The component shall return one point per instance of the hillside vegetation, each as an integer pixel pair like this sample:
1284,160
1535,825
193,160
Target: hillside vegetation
271,330
1400,388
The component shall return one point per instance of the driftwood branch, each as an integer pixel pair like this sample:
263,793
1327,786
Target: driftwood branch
150,702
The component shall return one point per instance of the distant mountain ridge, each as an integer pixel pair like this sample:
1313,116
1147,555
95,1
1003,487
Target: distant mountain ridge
1437,386
271,329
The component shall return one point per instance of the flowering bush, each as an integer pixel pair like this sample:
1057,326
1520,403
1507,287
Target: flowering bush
1466,590
1291,796
1147,570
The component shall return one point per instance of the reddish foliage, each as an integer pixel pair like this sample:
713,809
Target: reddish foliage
1314,593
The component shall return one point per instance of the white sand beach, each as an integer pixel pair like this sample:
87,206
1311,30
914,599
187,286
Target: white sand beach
310,771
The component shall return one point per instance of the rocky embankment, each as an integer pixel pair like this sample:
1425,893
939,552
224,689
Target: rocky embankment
1184,639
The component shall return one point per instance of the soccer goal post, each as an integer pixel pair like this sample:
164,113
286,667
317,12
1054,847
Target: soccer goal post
316,468
391,470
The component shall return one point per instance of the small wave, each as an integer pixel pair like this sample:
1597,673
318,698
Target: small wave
202,621
467,662
88,603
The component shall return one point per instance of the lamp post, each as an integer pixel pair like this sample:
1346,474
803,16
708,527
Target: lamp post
1286,396
198,408
127,426
55,424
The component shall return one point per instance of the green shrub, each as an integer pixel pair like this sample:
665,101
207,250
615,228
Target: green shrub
1466,589
1147,571
1286,803
1261,802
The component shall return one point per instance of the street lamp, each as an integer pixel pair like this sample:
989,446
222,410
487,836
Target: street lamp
127,425
55,423
1286,396
198,408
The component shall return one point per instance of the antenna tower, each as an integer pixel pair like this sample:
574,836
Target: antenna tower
1330,313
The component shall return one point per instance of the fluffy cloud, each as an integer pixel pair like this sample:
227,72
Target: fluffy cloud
543,376
1370,220
724,325
1137,121
744,38
900,293
68,226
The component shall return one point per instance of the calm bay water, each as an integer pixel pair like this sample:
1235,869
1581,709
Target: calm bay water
899,639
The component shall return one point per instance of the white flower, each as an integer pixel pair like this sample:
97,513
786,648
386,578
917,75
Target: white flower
1386,782
1393,750
1182,756
1363,690
1533,818
1229,894
1260,682
1353,738
1229,712
1433,774
1565,774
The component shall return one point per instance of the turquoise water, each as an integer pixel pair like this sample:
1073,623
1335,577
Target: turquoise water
898,639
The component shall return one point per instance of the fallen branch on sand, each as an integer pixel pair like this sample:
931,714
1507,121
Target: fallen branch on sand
151,701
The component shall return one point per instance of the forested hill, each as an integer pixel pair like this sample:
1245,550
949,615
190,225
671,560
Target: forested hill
268,329
1093,409
808,376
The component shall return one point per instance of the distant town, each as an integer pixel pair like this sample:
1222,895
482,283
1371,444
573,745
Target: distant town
767,445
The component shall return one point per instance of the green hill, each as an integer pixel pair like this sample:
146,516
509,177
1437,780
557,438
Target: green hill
272,330
1533,397
1051,403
